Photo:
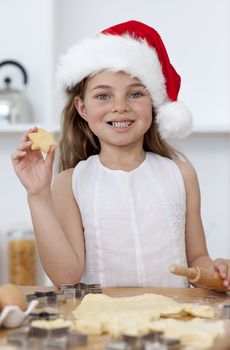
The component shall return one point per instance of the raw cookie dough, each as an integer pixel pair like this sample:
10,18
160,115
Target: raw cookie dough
198,333
137,315
53,324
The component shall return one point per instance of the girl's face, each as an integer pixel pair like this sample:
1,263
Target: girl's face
117,107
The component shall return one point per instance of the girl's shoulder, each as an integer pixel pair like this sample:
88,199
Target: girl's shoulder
64,177
179,164
188,172
185,167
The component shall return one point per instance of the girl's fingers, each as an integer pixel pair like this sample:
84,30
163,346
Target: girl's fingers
24,145
25,135
227,275
228,272
50,157
21,150
223,267
18,155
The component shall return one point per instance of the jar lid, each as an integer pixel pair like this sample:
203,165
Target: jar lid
18,234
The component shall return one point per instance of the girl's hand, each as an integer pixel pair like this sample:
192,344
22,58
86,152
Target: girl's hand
33,170
223,267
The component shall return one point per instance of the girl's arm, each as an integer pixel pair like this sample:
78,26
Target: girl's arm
59,233
196,248
55,216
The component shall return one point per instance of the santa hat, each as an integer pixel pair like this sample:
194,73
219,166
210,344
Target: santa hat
138,50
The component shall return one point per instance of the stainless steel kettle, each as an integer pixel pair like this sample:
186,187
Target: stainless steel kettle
14,107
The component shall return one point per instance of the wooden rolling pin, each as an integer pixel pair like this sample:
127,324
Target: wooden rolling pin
200,277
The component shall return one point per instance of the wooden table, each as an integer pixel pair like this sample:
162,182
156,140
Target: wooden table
190,295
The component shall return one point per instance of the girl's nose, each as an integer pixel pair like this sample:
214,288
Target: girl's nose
120,107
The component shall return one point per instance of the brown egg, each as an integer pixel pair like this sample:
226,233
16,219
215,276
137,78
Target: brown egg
10,294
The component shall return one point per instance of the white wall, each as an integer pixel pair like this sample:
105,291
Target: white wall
26,35
210,155
196,34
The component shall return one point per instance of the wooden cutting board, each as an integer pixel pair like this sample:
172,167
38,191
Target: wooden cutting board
190,295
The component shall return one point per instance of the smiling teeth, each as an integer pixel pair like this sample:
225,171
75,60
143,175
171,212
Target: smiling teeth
121,124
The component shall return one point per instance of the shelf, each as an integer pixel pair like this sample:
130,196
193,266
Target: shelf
211,129
18,128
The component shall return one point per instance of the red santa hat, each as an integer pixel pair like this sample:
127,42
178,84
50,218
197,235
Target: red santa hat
137,49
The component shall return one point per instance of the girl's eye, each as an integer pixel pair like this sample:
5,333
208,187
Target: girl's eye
102,97
136,94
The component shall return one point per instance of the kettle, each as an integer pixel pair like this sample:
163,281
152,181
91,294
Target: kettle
14,107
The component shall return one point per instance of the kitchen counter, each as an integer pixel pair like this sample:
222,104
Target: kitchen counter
190,295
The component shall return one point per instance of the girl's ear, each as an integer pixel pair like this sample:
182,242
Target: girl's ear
80,107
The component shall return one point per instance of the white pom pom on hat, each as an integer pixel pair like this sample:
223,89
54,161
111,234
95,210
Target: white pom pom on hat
174,120
137,49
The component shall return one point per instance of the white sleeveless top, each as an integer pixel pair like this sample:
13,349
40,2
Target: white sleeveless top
134,222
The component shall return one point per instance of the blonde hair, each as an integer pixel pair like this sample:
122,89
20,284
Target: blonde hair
78,142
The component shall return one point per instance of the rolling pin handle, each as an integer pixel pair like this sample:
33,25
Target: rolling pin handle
201,277
189,272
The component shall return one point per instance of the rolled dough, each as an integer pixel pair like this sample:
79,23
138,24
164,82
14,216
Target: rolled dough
136,315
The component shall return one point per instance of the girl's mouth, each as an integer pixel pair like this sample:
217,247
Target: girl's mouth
121,124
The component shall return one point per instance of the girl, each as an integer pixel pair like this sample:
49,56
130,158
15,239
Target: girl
125,206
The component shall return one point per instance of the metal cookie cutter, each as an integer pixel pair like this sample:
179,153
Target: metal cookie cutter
117,345
151,341
43,315
79,290
38,332
68,291
18,337
58,338
47,298
77,339
41,338
70,341
226,311
22,339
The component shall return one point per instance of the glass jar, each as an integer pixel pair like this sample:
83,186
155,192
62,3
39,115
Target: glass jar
22,257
